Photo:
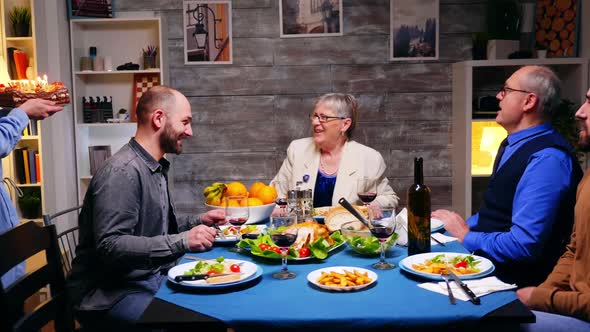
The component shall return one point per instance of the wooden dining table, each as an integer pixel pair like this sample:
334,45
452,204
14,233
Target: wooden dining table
394,302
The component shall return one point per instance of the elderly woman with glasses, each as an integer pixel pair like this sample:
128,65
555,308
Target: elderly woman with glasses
330,162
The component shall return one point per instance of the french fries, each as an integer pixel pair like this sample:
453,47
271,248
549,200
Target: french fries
438,268
346,279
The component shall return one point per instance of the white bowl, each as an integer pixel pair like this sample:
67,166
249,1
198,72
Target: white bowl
258,214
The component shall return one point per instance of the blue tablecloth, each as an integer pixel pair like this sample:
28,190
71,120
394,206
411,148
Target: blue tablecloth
395,300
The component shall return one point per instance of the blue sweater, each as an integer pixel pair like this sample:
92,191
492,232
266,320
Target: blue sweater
11,128
527,215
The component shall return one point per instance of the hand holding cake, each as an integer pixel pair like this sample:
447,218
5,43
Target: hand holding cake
39,109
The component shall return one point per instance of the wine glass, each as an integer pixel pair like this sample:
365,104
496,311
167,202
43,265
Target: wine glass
382,225
236,213
283,236
366,190
281,201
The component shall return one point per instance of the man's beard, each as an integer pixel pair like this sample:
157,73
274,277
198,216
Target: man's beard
169,141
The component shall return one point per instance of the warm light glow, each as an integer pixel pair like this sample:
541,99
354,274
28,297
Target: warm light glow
29,85
486,137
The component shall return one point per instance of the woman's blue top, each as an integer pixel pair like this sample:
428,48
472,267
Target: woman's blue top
324,189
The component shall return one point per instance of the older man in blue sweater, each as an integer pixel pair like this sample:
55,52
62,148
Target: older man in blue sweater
526,217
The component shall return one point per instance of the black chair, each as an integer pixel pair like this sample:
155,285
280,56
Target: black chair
17,245
67,239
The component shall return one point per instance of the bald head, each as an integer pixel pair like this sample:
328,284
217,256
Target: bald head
544,83
158,97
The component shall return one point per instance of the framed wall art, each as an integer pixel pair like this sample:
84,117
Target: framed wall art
207,32
557,27
90,8
414,30
310,18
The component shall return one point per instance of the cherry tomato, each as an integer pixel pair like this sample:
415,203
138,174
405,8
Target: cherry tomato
211,272
304,252
275,249
234,268
263,246
461,264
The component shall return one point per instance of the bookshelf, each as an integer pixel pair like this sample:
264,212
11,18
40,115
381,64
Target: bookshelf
132,35
23,166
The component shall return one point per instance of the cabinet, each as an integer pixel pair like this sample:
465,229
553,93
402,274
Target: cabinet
28,150
121,40
476,136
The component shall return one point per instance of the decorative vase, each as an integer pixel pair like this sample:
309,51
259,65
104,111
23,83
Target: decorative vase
21,29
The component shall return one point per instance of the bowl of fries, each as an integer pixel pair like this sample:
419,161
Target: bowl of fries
342,278
358,238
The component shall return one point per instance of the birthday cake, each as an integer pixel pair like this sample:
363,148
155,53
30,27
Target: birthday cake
17,92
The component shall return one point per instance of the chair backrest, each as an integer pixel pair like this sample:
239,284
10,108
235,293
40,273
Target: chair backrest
67,238
16,245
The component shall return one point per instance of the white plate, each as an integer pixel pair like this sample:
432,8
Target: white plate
248,269
233,238
436,225
486,266
313,276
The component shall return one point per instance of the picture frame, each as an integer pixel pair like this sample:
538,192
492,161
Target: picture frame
90,8
557,27
414,30
207,29
310,18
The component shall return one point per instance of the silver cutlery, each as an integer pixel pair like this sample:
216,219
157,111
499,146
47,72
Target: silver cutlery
472,297
451,296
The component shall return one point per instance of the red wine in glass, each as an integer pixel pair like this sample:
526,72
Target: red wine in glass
283,240
382,232
367,196
237,221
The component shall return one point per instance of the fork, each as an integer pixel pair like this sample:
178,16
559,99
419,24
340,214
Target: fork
451,296
219,231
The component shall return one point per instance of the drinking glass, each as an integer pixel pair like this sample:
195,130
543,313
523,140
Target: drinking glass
382,225
283,236
236,213
366,190
281,201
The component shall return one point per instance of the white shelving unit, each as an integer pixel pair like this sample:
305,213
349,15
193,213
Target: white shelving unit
32,142
121,39
473,79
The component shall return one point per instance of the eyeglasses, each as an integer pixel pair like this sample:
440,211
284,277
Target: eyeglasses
325,118
505,90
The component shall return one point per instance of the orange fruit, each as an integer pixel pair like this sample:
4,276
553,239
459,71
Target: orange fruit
267,194
236,189
252,201
254,189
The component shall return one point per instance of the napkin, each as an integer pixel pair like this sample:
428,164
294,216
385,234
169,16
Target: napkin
402,219
479,287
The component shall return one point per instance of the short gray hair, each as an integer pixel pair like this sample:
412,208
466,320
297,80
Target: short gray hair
344,105
546,85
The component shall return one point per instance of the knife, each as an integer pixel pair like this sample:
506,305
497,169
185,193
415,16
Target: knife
193,277
353,211
472,297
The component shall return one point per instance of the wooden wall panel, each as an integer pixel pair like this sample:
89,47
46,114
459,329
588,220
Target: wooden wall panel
246,114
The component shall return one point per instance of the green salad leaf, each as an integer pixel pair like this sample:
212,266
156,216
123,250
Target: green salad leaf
368,245
319,249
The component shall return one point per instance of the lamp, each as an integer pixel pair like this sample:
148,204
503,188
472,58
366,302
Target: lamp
201,35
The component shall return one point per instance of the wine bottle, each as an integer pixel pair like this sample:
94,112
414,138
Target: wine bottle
418,200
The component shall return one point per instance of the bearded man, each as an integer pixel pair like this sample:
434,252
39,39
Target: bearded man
129,232
562,301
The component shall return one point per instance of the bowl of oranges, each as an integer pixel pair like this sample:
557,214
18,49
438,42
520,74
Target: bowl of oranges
261,198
